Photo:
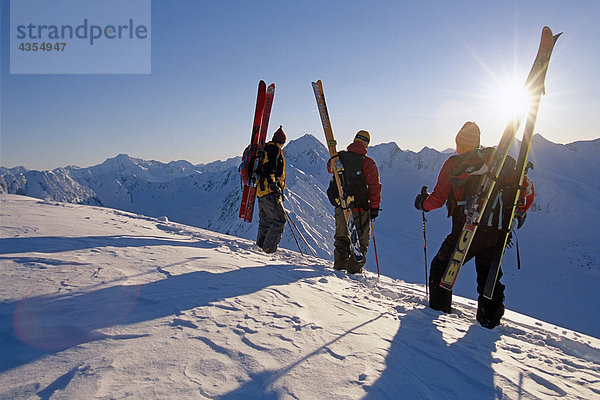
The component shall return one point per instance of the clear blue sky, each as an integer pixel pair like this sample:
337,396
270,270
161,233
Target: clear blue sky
408,71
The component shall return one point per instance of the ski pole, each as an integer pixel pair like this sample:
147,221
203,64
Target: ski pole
292,229
518,253
299,233
424,193
425,251
292,223
302,237
375,248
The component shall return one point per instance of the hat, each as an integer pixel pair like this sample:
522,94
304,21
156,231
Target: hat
468,135
279,135
363,136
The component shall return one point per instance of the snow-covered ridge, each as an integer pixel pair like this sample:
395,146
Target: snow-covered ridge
124,181
101,303
559,243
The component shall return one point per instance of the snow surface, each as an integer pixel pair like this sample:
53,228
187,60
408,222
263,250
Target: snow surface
559,244
100,303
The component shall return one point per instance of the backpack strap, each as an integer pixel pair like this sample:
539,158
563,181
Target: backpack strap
469,166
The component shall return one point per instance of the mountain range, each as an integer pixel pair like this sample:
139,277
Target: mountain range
558,244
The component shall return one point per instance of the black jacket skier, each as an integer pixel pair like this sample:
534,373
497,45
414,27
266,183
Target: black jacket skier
270,192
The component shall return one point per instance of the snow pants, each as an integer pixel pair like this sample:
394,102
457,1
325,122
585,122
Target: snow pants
343,260
271,222
489,312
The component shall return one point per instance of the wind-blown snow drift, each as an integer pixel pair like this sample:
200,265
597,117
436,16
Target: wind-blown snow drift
100,303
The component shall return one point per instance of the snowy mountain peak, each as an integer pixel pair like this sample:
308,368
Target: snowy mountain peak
541,142
384,148
308,141
14,170
123,158
121,163
305,145
307,154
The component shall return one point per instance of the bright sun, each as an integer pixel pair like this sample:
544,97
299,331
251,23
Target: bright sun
509,99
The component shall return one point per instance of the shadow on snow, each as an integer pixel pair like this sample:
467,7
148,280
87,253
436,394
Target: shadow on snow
57,244
47,324
419,365
422,365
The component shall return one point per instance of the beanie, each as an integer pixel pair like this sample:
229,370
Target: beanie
279,135
363,136
468,135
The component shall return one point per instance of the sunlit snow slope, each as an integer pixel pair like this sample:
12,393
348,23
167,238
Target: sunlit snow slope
99,303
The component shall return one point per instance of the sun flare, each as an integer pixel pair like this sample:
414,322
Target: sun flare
509,99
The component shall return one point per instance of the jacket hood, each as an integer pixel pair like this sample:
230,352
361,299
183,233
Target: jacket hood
357,147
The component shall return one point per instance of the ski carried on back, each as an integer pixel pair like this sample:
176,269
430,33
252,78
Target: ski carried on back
253,153
252,150
476,204
338,169
536,88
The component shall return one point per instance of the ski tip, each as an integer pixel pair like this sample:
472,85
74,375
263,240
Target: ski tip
547,31
555,37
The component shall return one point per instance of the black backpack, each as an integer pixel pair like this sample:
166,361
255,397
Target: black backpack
464,181
354,183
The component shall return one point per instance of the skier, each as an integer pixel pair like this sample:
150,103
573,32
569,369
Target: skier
270,194
363,190
458,180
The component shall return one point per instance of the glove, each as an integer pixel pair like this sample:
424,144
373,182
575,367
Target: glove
421,198
275,188
521,216
374,213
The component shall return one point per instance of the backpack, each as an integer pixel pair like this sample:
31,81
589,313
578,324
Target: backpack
246,165
354,183
465,180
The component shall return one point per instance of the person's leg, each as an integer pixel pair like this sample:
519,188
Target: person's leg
276,221
341,243
440,298
489,311
263,225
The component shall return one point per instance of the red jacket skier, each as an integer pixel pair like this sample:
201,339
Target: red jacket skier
363,189
456,181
